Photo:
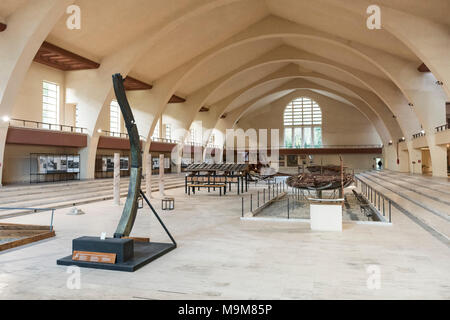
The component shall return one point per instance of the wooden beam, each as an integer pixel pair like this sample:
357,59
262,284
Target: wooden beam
27,240
423,68
176,99
2,27
59,58
134,84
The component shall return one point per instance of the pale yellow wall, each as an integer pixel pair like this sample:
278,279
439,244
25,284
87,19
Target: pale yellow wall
342,124
28,104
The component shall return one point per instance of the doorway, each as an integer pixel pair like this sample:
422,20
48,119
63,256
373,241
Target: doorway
379,165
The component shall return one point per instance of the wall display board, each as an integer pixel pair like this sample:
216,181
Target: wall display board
155,163
54,167
104,166
292,161
124,163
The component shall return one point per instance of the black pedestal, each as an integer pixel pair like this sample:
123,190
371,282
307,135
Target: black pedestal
123,248
142,253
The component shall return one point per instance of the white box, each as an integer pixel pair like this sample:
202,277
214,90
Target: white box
326,217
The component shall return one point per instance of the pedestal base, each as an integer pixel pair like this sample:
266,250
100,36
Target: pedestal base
144,253
326,217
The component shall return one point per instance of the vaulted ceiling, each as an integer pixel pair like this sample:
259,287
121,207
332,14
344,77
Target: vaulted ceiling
112,25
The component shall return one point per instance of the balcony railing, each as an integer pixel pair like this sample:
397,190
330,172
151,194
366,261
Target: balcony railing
164,140
213,146
121,135
442,128
353,146
21,123
418,135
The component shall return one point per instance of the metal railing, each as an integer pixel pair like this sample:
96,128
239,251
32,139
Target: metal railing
379,201
164,140
334,146
418,135
32,210
442,128
21,123
213,146
262,198
122,135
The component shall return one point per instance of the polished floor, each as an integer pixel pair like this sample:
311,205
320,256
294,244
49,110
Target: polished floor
220,256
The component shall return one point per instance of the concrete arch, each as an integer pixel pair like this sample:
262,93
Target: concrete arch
264,30
289,55
19,44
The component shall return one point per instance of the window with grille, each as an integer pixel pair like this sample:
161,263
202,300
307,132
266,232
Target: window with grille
50,105
168,132
302,124
114,118
192,135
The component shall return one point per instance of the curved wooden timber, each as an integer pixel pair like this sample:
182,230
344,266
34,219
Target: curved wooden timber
131,205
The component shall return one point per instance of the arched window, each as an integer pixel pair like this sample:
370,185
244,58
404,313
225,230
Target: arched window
302,124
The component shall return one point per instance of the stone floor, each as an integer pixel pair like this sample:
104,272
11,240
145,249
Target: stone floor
220,256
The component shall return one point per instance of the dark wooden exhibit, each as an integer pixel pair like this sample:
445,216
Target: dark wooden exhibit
25,234
212,176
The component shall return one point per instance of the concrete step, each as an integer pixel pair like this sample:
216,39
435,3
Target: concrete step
51,185
56,196
432,205
434,183
435,195
435,224
63,202
78,188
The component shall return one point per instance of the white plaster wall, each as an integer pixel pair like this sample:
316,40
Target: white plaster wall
28,105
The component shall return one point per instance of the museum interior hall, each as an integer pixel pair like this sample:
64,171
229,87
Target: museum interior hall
224,149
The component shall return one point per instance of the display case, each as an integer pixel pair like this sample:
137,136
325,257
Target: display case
46,167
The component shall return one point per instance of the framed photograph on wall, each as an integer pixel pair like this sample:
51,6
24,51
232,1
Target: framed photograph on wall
42,164
155,163
70,164
76,164
63,163
292,160
124,163
51,164
109,164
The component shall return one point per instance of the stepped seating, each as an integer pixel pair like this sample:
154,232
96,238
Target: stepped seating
66,194
425,204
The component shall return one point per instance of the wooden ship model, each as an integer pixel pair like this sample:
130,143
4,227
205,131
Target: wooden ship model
329,177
